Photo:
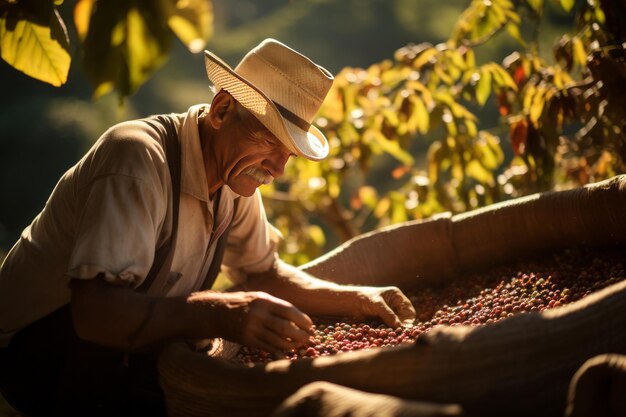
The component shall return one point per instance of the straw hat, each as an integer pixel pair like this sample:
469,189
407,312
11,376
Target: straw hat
282,88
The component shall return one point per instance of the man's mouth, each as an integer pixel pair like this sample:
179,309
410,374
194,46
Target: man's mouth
258,175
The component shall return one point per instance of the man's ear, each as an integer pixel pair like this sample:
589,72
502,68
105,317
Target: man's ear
221,105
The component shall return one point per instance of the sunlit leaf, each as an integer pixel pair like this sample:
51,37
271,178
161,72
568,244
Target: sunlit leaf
489,151
420,117
455,57
513,30
529,94
476,170
317,235
567,5
125,44
481,20
470,58
580,56
40,49
483,87
191,21
536,5
471,128
382,207
82,16
434,157
502,77
391,147
368,196
537,105
456,168
398,208
425,57
334,186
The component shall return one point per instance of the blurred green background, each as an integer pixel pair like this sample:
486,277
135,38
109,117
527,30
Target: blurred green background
44,130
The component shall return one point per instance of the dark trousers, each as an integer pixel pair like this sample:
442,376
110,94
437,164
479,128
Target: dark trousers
48,371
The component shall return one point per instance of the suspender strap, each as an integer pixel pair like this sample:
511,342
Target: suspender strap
163,255
218,255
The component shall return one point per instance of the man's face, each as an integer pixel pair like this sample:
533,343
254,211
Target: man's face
254,155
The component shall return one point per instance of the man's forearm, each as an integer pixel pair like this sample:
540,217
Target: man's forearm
311,295
123,319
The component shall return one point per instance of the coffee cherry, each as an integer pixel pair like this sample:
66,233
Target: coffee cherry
477,299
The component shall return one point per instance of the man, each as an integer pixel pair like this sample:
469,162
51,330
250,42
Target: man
121,258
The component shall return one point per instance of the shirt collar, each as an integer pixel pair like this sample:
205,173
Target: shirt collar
193,181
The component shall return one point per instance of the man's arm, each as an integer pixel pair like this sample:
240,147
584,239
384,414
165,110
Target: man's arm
318,297
121,318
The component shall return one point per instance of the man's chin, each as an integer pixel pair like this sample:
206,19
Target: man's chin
244,191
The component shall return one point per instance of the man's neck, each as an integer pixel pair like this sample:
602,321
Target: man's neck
211,170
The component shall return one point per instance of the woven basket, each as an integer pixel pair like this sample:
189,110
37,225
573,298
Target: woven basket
518,366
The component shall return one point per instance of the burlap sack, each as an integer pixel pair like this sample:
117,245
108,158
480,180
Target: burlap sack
519,366
598,388
419,253
323,399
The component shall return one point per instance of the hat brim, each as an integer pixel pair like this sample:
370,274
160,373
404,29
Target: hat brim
311,144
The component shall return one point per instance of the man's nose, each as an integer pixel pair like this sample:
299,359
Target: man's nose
275,164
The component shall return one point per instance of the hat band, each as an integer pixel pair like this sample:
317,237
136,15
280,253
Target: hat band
293,118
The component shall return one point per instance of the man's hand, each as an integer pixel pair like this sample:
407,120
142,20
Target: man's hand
255,319
387,303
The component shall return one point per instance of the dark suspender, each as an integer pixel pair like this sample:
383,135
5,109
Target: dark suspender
218,255
163,256
166,126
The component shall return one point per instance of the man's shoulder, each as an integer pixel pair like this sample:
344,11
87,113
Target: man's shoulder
128,148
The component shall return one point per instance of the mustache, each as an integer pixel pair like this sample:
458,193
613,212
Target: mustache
258,174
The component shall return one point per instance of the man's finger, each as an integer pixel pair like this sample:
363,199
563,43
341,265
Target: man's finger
291,313
277,342
387,315
403,307
276,353
287,329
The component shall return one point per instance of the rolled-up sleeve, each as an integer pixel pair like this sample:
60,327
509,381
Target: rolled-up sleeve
117,232
252,241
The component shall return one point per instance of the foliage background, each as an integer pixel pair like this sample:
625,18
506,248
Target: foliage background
44,130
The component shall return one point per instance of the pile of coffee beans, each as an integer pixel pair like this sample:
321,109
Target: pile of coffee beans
473,300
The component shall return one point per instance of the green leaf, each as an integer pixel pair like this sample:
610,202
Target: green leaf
488,151
536,5
368,196
398,207
504,78
317,235
580,56
38,49
420,117
483,88
126,42
477,171
481,20
425,57
82,16
191,21
537,105
391,147
567,5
